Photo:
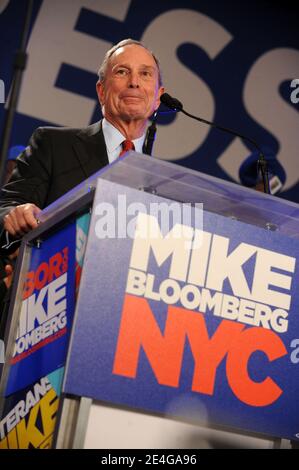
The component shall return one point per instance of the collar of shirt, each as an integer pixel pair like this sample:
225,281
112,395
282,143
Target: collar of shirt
114,138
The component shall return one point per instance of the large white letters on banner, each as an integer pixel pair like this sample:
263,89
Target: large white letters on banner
182,82
3,5
54,41
265,105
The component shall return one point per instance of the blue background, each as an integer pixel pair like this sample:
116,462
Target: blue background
256,27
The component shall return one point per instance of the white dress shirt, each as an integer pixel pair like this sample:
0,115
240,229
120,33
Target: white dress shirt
114,138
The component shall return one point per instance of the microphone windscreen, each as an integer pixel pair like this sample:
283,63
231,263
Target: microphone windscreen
171,102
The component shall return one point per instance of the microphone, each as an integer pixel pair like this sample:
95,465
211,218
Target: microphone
150,136
176,105
171,102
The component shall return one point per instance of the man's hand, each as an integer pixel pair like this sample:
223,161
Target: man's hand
9,273
21,219
9,269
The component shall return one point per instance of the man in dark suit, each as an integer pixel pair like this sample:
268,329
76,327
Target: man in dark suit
6,267
57,159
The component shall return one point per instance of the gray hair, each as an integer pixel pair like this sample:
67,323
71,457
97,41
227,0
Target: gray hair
125,42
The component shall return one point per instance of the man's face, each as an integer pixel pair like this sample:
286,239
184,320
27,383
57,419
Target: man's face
131,89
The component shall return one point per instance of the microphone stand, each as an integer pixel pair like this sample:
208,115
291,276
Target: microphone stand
150,136
261,163
262,166
20,61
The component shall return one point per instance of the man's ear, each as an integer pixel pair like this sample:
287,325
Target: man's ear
100,92
160,92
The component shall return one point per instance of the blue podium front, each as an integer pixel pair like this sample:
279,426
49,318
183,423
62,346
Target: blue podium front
154,288
189,294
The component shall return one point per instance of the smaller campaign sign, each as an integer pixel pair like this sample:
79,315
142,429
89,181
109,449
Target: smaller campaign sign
29,415
46,311
82,226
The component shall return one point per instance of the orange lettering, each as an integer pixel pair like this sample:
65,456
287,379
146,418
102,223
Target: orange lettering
139,329
251,340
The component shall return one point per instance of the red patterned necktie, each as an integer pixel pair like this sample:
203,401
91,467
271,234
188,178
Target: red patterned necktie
126,146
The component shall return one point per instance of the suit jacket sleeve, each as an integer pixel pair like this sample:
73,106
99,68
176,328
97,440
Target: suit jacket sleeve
29,182
31,177
56,160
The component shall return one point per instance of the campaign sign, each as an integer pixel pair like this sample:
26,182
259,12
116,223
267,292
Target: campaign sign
30,415
203,326
46,311
82,226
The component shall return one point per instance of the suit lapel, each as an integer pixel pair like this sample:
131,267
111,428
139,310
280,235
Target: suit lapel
90,149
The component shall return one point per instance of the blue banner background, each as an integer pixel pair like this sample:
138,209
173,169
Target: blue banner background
98,323
228,61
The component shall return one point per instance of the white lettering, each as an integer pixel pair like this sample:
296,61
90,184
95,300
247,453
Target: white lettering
162,247
56,34
295,93
270,110
207,35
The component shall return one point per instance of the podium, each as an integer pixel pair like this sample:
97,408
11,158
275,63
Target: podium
155,306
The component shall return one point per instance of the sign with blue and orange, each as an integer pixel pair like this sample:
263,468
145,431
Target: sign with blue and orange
46,311
210,317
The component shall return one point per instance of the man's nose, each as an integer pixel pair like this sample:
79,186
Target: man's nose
134,80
